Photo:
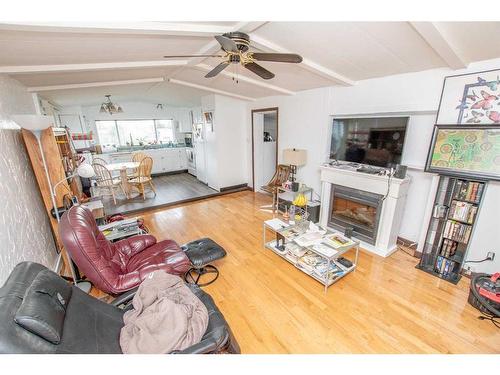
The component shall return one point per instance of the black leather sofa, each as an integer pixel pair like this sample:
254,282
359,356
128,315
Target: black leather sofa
42,313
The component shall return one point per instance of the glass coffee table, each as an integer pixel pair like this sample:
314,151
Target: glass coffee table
321,255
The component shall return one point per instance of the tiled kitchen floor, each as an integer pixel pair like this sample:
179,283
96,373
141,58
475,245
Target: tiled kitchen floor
170,189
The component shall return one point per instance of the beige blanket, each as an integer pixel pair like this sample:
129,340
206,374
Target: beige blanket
167,316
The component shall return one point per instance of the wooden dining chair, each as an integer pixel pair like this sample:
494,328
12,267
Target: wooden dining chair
99,161
137,157
280,177
105,181
144,178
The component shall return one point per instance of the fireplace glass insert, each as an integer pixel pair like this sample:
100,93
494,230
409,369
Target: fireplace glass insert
356,209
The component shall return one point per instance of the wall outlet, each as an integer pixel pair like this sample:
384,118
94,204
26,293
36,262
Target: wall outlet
468,269
490,255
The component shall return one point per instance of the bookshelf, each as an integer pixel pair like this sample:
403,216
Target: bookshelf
456,208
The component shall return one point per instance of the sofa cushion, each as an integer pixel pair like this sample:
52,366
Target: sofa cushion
44,306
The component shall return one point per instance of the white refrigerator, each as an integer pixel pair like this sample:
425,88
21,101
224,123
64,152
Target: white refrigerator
199,146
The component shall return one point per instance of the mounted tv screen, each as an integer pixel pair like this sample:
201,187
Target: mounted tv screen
377,141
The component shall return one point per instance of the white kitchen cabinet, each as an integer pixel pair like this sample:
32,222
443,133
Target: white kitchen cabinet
184,121
164,160
168,160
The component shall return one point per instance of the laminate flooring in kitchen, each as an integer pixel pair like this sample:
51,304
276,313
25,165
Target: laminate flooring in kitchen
170,189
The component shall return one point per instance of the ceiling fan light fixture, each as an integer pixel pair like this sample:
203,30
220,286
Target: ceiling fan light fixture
236,47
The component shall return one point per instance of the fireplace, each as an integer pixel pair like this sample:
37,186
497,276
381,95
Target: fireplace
375,213
356,209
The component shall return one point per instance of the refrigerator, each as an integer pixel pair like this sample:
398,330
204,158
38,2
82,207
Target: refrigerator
200,150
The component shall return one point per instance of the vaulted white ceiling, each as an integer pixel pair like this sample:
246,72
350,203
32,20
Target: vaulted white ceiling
61,60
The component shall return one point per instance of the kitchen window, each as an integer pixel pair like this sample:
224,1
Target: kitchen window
137,132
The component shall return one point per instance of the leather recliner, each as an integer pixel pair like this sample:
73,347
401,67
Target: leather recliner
42,313
117,267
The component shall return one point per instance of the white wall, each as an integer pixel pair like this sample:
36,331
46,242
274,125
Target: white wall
25,232
229,123
305,122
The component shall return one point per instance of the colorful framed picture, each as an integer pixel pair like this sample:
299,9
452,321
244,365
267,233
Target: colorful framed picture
470,99
465,151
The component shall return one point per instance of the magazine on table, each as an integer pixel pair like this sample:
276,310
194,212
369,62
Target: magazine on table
313,235
324,249
337,240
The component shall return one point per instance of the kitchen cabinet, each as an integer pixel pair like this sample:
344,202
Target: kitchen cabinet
184,123
164,159
168,160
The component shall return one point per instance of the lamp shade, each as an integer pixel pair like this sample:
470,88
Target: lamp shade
33,122
85,170
294,156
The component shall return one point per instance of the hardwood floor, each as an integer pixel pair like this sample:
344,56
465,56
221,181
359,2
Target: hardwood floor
385,306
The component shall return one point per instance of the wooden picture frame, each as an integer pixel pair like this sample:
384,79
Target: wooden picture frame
465,151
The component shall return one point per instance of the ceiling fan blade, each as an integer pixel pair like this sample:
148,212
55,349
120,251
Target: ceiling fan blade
182,56
278,57
227,44
219,68
259,70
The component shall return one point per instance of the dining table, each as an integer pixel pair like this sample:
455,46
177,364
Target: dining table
124,168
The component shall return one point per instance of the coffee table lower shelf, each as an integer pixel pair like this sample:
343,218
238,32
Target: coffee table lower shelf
271,245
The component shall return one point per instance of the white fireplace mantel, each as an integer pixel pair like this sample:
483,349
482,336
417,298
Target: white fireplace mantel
394,189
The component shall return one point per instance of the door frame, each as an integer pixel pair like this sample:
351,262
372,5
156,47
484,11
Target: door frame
270,109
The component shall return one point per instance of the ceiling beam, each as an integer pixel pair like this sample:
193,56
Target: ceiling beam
438,42
206,88
310,65
252,81
151,28
20,69
249,27
95,84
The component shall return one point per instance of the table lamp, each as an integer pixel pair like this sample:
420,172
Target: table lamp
294,158
36,124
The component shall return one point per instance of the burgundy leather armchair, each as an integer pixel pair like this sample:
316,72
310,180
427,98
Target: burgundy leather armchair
117,267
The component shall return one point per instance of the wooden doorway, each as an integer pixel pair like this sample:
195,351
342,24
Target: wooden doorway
265,132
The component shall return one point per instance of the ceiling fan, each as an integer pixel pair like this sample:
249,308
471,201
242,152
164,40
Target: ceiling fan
236,46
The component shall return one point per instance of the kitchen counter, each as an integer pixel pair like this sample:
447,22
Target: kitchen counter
165,159
123,150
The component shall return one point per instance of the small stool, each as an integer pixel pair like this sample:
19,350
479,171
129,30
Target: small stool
201,253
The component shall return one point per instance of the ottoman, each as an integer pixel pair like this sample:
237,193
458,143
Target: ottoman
201,253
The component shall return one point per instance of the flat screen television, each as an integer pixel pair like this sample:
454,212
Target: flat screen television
377,141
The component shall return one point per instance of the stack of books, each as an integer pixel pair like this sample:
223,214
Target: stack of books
463,211
448,248
322,271
457,231
468,191
444,266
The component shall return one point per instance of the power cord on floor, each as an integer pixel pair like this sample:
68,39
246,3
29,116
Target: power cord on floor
491,318
478,261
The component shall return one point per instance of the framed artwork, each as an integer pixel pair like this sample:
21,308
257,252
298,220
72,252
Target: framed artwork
467,151
470,99
209,120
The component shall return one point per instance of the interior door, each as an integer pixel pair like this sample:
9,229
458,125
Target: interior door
258,150
265,136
